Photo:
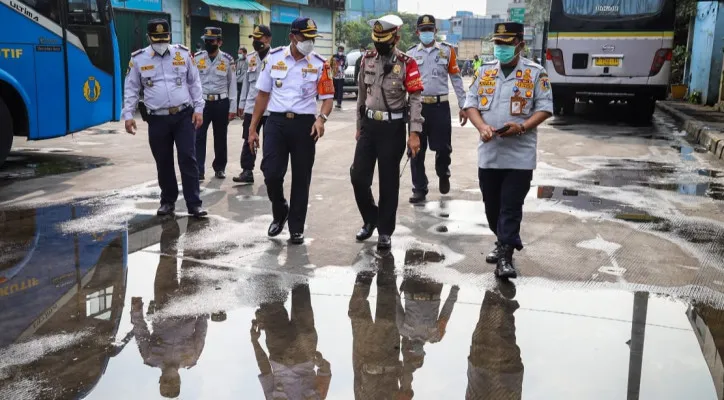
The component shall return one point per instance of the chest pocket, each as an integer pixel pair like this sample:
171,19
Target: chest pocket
487,87
252,75
420,60
221,69
393,84
149,77
278,73
526,90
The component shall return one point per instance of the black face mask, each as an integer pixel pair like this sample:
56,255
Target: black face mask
211,48
258,45
384,48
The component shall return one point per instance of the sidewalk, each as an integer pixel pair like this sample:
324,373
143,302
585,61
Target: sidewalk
702,123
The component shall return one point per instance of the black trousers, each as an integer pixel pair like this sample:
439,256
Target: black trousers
339,90
284,138
238,95
248,157
437,131
504,192
216,113
163,132
383,143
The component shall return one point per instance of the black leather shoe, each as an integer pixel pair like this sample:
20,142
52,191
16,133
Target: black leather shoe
296,238
384,242
444,184
493,256
198,212
245,176
165,209
220,175
505,268
366,232
201,177
417,197
276,227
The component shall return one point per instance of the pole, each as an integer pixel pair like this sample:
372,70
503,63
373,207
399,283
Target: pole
636,344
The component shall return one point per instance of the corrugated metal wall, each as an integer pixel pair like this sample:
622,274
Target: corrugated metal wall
476,28
131,32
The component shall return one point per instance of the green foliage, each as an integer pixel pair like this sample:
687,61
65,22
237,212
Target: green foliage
678,63
537,11
695,97
685,9
356,33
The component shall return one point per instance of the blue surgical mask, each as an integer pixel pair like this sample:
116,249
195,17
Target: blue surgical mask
504,53
427,37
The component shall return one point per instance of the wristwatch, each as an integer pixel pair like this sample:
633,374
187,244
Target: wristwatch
522,129
324,117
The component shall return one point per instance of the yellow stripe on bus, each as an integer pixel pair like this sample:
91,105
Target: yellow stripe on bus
620,35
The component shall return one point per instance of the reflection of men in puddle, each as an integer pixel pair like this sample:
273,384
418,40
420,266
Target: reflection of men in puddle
376,343
289,370
495,369
176,341
421,320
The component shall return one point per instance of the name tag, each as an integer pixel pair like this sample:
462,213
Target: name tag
147,67
525,84
310,70
280,66
179,63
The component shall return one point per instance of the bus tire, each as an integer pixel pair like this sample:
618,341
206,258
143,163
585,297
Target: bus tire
643,108
569,105
6,131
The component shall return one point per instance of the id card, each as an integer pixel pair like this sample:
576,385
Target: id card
516,106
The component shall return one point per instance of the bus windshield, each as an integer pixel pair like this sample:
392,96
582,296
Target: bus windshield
612,8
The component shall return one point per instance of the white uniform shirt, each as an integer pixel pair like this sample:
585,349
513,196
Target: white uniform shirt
217,76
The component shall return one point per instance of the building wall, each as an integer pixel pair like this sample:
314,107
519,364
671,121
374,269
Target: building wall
706,54
496,7
356,9
174,8
477,27
469,48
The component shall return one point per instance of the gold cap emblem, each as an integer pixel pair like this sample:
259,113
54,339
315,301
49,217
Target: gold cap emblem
501,28
426,20
256,30
209,33
310,24
378,27
159,28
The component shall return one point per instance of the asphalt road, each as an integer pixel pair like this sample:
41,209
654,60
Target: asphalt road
620,289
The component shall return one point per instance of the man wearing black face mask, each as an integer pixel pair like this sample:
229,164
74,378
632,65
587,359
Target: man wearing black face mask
339,64
218,79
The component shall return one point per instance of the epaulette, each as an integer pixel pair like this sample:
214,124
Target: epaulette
371,53
490,62
137,52
250,55
198,53
320,58
412,47
227,57
276,50
447,44
183,47
404,57
532,63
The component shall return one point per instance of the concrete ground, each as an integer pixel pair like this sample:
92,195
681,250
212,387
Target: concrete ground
621,217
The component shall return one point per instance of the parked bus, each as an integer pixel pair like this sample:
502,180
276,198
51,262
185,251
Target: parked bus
606,50
59,69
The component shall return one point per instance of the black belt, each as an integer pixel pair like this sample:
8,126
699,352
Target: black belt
290,115
169,111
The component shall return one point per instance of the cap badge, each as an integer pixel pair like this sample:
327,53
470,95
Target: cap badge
378,27
209,33
159,28
310,24
426,20
501,28
257,30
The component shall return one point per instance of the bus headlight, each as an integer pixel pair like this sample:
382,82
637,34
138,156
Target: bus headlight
556,56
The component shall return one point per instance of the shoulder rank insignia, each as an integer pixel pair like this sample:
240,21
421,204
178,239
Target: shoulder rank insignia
276,50
180,46
137,52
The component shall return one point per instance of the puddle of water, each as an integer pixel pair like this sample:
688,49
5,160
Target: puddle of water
25,166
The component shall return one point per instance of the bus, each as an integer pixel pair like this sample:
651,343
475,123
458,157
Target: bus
59,69
610,50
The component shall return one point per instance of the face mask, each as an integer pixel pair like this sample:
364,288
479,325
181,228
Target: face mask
305,47
341,53
427,37
160,48
504,53
384,48
211,48
258,45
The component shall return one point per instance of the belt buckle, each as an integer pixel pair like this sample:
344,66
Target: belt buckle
428,100
289,115
377,116
173,110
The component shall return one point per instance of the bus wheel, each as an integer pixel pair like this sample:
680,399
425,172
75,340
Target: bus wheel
569,105
6,131
643,108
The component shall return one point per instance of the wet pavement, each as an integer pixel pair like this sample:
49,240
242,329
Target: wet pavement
620,293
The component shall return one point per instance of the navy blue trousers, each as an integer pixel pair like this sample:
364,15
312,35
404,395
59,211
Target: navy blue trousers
437,131
216,113
285,138
504,192
163,132
248,157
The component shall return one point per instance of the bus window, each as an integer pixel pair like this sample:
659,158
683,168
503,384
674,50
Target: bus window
89,20
612,8
47,8
84,12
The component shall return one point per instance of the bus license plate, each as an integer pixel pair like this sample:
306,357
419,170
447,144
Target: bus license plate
606,62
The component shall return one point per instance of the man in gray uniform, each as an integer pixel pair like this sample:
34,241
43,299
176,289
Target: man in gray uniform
216,69
437,62
511,93
241,67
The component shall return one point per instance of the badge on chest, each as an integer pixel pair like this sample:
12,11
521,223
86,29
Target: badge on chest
517,103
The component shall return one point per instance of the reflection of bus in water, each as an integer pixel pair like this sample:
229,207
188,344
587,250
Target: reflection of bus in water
67,287
604,50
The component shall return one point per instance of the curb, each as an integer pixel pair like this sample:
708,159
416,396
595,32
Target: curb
712,139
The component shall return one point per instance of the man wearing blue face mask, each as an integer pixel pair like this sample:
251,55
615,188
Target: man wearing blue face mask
511,93
437,62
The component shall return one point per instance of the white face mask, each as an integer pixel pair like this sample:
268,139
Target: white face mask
305,47
160,48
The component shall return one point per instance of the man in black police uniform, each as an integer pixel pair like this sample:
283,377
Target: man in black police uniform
172,95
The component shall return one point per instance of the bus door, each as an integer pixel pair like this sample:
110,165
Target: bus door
92,70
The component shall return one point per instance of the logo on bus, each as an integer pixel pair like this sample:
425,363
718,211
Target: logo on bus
91,89
608,48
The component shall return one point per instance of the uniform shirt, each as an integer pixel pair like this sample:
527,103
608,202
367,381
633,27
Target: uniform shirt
248,88
339,64
436,63
169,80
491,94
299,381
404,79
294,85
419,318
241,67
217,76
174,341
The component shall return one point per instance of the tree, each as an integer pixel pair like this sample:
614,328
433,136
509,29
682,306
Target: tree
358,32
537,11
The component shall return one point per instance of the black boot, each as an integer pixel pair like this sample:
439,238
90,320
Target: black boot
505,268
493,256
417,197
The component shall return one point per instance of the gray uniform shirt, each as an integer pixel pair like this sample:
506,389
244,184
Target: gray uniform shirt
248,88
491,94
241,66
171,80
217,76
436,64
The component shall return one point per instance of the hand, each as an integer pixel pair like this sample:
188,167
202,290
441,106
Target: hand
253,140
320,362
317,129
254,332
240,113
513,129
131,126
413,143
136,304
486,133
357,134
232,116
463,118
197,119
